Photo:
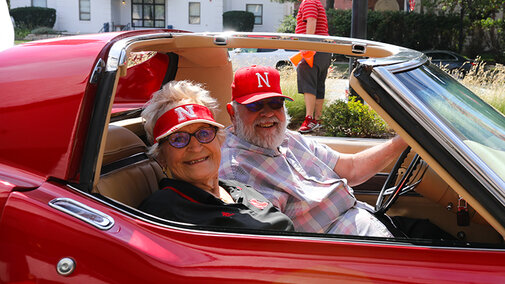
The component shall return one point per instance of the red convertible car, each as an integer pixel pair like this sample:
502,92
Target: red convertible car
73,168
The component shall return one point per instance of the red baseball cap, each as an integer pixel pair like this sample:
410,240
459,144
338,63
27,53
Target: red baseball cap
255,83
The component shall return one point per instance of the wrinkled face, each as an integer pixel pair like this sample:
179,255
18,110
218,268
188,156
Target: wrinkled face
195,163
264,128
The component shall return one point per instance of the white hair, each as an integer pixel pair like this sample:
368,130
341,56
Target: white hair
173,94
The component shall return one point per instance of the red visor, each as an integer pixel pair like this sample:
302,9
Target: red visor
178,117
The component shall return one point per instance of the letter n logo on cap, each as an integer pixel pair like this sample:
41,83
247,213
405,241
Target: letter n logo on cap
185,112
265,80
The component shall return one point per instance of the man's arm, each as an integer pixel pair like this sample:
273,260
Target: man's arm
311,26
358,168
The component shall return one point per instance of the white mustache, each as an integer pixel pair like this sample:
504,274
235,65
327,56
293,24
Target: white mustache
264,120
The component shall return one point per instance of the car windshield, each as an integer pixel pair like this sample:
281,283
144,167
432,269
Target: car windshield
475,123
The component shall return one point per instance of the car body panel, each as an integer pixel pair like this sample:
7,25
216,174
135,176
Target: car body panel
30,103
140,248
157,253
131,90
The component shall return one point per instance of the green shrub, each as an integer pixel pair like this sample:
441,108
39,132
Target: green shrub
239,21
20,33
32,17
288,25
412,30
353,119
44,31
296,108
339,22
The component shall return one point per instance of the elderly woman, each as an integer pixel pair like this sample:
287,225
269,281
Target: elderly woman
179,122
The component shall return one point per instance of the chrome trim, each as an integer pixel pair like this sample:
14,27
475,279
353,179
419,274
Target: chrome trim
117,53
83,212
97,71
220,40
408,65
385,78
65,266
308,238
402,61
358,48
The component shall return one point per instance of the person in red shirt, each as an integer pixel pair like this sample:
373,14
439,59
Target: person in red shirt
311,19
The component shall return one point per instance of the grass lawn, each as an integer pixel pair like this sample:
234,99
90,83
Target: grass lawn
488,83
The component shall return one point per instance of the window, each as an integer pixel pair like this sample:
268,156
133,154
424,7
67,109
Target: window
39,3
84,10
148,13
194,13
257,10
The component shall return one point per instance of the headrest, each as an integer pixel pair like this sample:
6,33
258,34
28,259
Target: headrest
121,143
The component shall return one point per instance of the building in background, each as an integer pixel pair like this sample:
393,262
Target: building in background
91,16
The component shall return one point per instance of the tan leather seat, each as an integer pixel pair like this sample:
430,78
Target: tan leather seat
128,175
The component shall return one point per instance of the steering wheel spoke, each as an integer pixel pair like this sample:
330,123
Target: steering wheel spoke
391,190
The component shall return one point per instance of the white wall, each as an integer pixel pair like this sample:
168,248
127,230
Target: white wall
211,15
20,3
67,16
7,30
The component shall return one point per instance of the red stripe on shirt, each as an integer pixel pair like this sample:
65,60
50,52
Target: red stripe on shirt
181,194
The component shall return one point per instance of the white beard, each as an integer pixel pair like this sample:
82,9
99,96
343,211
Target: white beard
253,135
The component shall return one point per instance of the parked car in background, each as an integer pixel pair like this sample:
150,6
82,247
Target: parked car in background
278,58
74,168
450,60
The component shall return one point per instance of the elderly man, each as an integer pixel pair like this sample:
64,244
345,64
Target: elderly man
307,181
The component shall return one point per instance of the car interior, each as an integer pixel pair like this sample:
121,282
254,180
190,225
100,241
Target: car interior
126,175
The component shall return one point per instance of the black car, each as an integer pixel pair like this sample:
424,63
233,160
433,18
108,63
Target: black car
450,60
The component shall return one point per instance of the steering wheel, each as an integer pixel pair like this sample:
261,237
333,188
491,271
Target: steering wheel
392,190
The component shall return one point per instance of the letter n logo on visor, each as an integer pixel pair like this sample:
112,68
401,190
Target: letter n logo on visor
185,112
265,80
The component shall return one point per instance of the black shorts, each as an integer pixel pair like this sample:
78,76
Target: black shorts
312,80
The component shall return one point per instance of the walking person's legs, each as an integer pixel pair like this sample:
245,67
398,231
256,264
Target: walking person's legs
311,83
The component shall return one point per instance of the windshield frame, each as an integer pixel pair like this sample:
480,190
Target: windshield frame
438,128
466,171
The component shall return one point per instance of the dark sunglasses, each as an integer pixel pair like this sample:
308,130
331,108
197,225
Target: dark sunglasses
273,103
181,139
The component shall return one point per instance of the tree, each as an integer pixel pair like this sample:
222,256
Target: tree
478,20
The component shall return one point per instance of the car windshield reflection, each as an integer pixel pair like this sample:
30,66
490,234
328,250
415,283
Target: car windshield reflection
478,125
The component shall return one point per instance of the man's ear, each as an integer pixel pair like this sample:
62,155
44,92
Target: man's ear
231,111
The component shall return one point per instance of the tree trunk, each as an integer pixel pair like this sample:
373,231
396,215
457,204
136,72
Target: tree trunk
330,4
461,40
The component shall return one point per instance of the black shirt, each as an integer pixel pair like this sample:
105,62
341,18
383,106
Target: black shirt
183,202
